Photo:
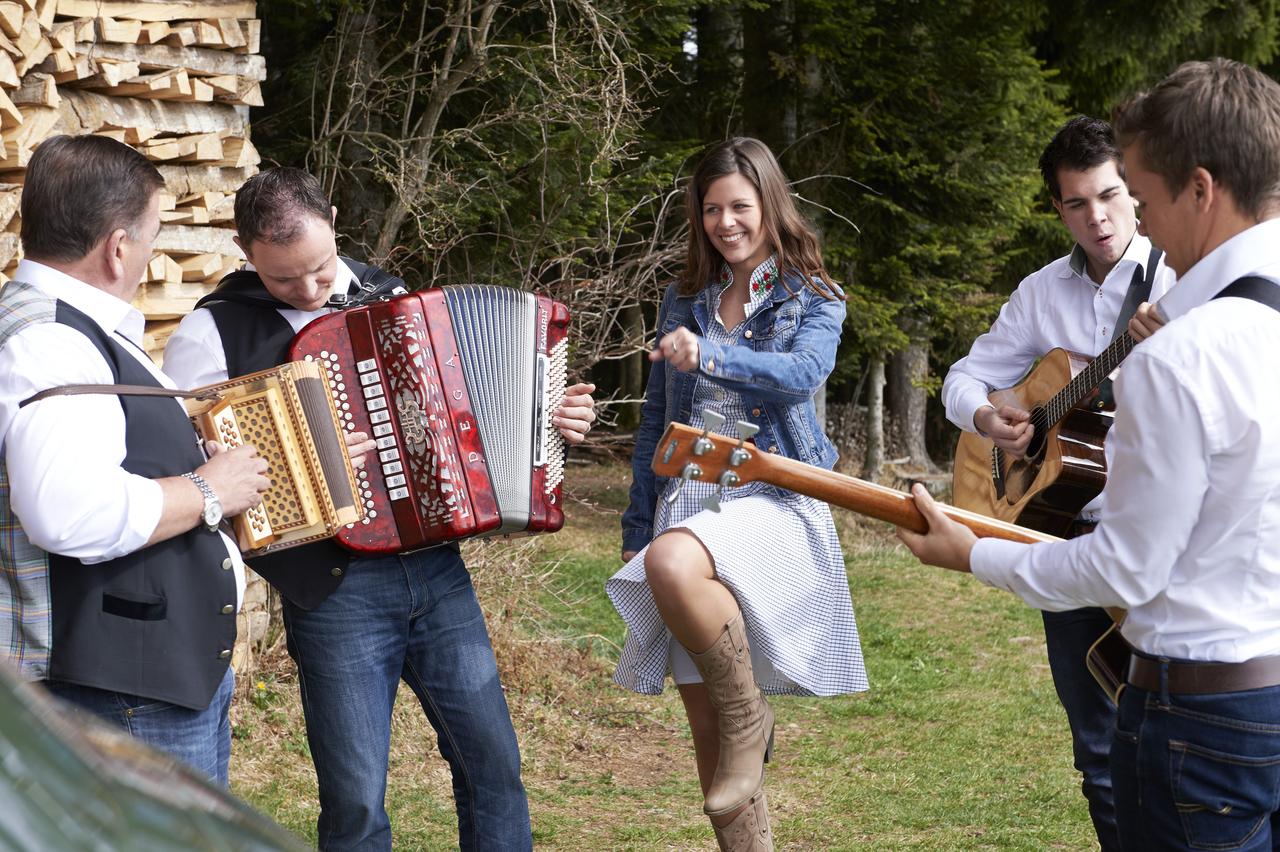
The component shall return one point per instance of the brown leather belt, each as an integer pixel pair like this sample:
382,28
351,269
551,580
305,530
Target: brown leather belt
1198,678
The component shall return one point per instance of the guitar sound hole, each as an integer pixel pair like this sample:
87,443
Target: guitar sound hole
1022,473
1035,449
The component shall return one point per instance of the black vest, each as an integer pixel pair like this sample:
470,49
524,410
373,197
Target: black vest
255,337
159,622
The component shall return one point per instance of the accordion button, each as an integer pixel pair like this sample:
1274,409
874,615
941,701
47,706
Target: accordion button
337,572
224,654
226,564
227,609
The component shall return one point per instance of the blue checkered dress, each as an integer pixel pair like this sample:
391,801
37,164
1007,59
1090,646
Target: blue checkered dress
778,553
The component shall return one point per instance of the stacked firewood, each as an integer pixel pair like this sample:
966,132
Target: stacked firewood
174,80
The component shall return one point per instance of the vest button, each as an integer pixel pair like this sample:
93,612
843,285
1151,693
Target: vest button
337,572
227,609
227,564
225,654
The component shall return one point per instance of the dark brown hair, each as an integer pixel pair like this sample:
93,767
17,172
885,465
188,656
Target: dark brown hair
78,190
270,206
1081,144
1219,115
793,240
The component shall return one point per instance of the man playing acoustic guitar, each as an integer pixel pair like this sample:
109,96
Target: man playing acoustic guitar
1187,542
1074,303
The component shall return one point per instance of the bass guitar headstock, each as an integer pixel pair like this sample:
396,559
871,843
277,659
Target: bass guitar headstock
705,456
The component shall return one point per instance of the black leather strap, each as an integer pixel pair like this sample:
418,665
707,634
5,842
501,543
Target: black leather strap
1256,287
1139,289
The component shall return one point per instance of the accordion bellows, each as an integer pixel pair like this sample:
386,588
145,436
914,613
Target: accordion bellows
288,413
457,386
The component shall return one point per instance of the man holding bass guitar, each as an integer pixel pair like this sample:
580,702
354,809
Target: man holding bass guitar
1187,541
1081,303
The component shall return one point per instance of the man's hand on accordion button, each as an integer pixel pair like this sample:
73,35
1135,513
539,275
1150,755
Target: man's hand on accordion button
359,445
576,412
237,477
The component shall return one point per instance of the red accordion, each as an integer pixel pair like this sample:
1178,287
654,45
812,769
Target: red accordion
457,386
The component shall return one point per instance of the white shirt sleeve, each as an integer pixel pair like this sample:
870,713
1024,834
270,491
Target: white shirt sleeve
63,454
997,359
1146,525
193,356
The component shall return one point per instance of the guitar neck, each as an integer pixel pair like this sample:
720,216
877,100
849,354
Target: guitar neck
877,501
1089,378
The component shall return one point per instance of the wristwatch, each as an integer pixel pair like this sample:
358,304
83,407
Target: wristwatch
212,514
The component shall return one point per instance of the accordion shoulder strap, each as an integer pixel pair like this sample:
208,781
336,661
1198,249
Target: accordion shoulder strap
117,390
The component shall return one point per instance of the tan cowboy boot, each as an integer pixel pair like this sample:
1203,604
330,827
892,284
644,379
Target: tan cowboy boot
746,720
749,830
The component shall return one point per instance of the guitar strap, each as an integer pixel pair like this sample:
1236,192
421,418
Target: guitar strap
1263,290
1139,291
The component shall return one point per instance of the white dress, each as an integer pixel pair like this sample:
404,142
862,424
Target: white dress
778,553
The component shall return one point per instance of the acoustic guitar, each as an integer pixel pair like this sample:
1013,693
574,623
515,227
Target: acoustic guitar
688,454
1064,467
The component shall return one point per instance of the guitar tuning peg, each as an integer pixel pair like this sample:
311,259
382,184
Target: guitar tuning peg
712,421
690,471
728,479
740,453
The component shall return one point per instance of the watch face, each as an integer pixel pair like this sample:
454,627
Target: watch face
212,513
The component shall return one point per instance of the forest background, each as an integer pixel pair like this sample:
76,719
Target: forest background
545,143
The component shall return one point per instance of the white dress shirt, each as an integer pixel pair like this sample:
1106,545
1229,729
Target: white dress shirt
194,356
64,453
1188,541
1056,307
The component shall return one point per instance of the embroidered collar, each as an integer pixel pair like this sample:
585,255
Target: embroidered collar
762,279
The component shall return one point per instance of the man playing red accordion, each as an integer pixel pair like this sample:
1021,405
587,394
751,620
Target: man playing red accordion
358,625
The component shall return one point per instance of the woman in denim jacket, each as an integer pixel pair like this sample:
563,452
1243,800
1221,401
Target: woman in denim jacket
752,598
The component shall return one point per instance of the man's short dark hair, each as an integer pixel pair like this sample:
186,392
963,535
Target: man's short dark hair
271,206
1219,115
1083,143
78,189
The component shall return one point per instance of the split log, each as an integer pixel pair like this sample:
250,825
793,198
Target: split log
195,60
156,10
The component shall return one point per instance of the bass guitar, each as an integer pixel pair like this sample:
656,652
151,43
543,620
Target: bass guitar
700,455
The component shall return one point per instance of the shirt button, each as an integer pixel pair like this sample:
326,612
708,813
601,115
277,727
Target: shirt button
773,449
337,572
747,334
224,654
755,412
227,609
227,564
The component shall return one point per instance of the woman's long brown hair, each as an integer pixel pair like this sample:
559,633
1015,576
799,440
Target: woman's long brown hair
793,240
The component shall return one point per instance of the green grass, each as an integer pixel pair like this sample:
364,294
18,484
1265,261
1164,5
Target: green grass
960,744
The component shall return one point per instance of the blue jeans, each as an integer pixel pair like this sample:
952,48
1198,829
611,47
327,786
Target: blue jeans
199,738
1198,771
1090,713
411,617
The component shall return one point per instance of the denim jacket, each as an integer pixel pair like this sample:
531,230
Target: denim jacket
782,355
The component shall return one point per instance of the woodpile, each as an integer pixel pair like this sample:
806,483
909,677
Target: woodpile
175,80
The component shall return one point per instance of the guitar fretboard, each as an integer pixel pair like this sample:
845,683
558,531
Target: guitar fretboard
1089,378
